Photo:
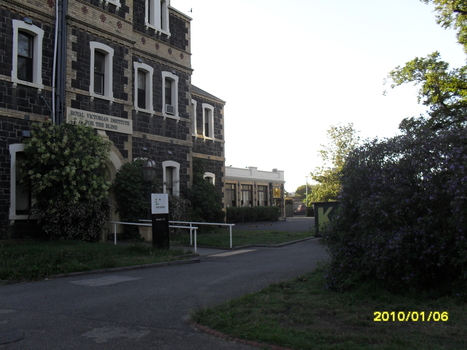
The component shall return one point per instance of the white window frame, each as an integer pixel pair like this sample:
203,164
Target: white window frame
38,34
210,175
108,74
114,2
174,80
194,129
149,76
14,149
159,20
209,119
176,176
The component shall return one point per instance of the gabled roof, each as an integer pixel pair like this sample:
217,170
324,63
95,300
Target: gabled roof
201,92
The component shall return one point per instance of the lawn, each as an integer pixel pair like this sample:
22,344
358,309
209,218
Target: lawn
32,260
221,237
302,314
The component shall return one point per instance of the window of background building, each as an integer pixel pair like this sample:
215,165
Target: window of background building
141,77
210,177
157,15
230,194
247,197
27,54
20,196
143,87
114,2
99,72
208,121
170,95
102,71
263,196
171,177
194,130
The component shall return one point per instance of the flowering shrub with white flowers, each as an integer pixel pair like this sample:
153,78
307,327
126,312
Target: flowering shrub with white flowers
65,170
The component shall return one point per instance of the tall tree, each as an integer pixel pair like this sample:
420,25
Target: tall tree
342,140
442,89
302,190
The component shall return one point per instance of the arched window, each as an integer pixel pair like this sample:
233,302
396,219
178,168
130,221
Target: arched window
27,54
210,177
171,177
157,15
101,71
143,87
170,95
208,121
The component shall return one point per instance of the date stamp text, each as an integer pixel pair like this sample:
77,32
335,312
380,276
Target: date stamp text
414,316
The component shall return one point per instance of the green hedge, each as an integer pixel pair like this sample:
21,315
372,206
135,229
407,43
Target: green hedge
246,214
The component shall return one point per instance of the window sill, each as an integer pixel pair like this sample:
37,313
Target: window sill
14,217
175,117
27,83
157,29
142,110
101,97
114,2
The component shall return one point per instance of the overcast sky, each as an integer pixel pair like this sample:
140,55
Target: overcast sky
289,70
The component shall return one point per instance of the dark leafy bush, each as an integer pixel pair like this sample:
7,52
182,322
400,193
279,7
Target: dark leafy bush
206,200
132,195
253,214
78,221
403,214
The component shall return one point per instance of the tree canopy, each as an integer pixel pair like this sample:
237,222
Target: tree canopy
342,140
442,89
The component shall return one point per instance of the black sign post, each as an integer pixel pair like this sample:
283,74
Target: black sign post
160,220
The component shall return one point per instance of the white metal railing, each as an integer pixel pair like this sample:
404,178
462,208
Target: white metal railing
205,223
190,224
192,229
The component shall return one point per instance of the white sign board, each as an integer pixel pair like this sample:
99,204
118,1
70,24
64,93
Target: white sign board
159,203
100,121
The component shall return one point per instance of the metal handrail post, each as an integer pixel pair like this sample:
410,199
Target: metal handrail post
196,247
191,233
115,234
230,236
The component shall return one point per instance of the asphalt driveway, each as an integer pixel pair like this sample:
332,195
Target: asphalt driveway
144,308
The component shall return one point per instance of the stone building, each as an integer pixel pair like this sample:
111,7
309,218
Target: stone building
250,187
122,66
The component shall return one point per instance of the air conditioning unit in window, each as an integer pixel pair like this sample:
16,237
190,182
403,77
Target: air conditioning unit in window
169,109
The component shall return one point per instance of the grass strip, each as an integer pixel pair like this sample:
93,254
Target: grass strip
302,314
33,260
221,237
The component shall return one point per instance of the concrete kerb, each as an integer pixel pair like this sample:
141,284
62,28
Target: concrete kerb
257,245
194,260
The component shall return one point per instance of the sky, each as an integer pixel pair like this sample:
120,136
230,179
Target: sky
289,70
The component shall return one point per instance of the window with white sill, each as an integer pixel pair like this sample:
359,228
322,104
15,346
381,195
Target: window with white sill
143,87
210,177
20,196
170,95
194,130
208,121
101,71
27,54
157,15
171,177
